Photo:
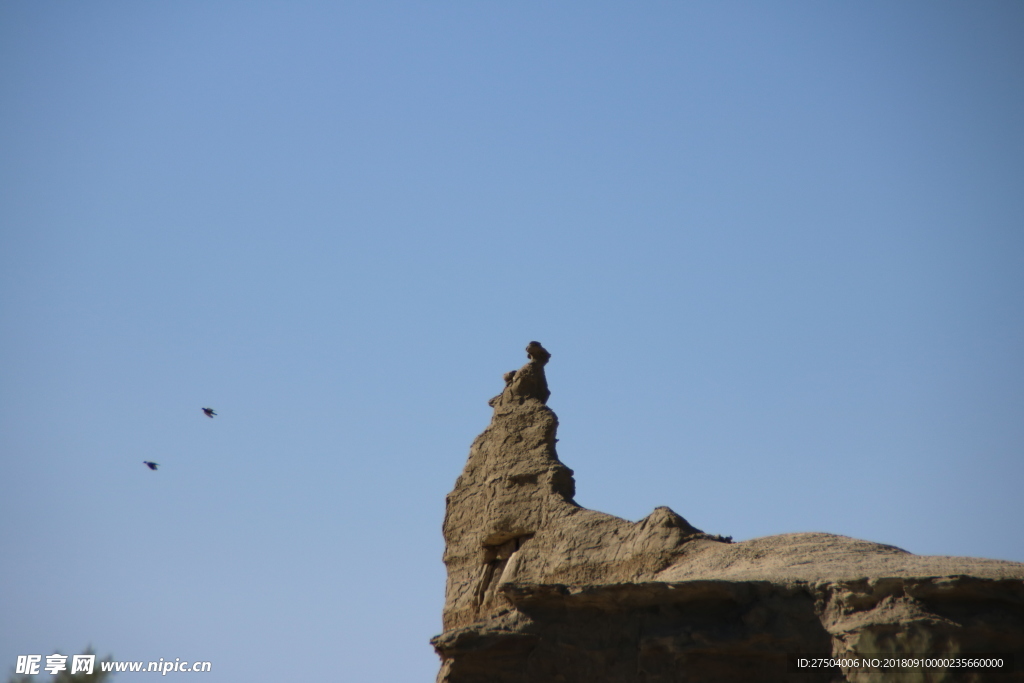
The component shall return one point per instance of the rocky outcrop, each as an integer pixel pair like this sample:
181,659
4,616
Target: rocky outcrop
540,589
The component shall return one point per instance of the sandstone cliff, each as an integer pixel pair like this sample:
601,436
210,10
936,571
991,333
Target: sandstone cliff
540,589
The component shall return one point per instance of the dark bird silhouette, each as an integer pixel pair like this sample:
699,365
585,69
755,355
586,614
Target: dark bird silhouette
209,412
151,465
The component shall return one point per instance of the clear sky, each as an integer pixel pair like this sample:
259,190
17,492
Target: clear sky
776,251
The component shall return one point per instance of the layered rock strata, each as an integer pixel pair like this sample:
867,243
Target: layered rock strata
542,590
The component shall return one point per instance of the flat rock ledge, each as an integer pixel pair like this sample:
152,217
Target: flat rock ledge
542,590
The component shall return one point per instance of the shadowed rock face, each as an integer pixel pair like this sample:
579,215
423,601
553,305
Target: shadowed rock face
540,589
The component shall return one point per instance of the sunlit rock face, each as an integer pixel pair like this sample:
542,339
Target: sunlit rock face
540,589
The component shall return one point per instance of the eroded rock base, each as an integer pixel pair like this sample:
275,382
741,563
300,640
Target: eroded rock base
699,631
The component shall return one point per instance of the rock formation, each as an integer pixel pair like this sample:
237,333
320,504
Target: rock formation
542,590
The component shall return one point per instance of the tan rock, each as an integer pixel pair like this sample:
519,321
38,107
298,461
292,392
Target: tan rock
540,589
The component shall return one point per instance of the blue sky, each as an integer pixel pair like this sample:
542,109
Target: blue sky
776,250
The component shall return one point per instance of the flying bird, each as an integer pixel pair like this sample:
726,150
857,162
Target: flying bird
209,412
151,465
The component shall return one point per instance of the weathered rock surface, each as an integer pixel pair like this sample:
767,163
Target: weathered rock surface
540,589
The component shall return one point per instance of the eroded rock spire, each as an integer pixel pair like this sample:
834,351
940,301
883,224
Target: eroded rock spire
511,516
541,590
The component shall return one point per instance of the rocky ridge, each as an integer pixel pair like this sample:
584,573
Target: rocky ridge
541,589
